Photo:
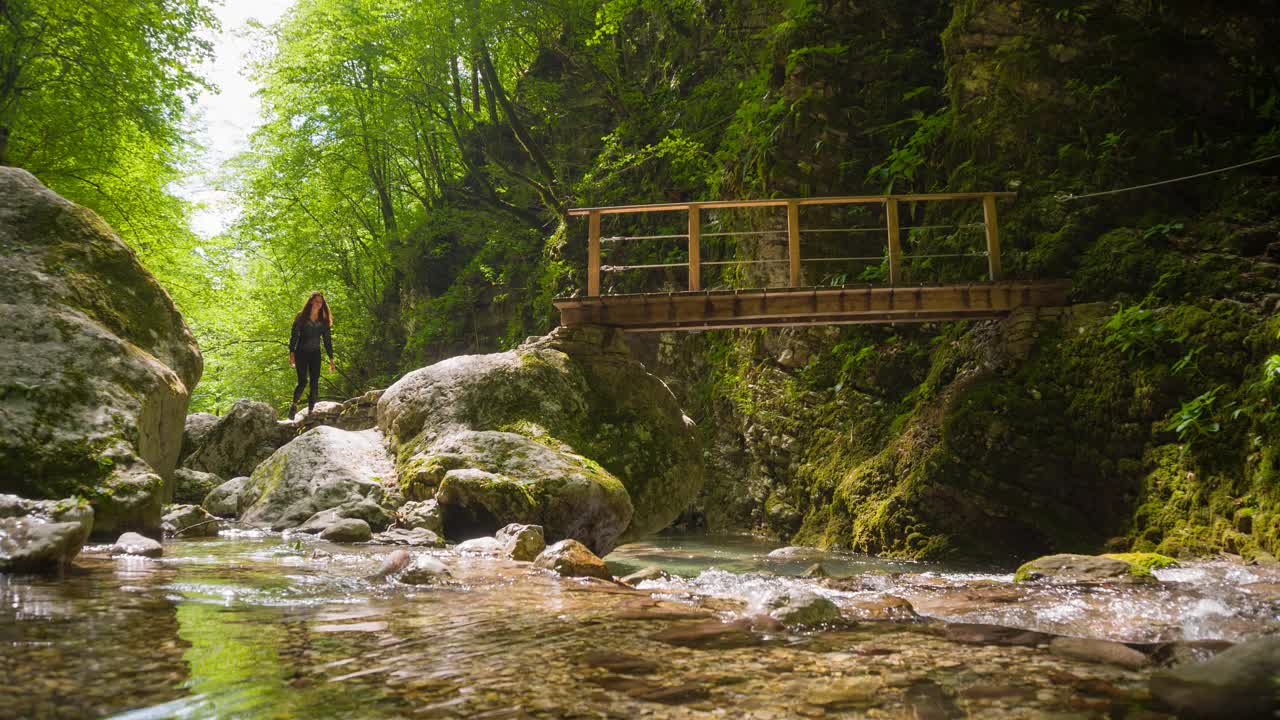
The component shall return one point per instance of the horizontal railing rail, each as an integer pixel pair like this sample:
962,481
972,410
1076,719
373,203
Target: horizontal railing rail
794,232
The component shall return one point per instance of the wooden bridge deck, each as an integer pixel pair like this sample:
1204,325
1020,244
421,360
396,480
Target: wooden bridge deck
699,309
778,307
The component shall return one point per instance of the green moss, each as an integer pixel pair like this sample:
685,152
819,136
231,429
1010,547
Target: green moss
1142,563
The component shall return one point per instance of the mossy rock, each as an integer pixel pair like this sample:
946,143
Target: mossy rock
96,367
1142,563
575,396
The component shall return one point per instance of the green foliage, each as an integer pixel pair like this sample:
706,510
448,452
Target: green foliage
1195,419
1134,331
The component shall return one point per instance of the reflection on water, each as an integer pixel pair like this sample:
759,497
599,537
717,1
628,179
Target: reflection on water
251,626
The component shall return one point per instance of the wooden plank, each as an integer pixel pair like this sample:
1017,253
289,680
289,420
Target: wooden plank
895,247
992,223
832,200
695,248
793,241
593,254
744,309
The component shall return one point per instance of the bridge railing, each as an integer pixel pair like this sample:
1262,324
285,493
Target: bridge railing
892,229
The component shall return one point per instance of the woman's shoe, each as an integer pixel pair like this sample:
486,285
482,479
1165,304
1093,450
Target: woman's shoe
293,410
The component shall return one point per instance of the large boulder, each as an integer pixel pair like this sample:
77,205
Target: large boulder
194,431
528,436
96,365
38,535
1067,568
322,469
228,499
240,440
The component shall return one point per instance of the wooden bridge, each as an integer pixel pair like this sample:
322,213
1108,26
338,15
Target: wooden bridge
795,304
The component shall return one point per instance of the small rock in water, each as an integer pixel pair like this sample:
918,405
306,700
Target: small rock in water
522,542
394,562
651,573
886,607
347,530
38,535
815,571
713,635
132,543
486,546
416,537
571,558
978,634
621,663
1103,651
1069,568
803,608
189,521
1236,683
792,551
425,570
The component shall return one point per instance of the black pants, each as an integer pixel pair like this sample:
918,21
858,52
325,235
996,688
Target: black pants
307,363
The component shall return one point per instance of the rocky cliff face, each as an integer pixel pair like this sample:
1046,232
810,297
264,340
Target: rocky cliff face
96,364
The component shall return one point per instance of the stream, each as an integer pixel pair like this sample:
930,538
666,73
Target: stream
255,625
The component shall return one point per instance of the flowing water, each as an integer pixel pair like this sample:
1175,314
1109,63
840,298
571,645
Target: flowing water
252,625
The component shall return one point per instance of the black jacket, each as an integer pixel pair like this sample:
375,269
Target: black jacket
307,336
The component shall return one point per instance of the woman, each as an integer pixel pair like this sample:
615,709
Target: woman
310,328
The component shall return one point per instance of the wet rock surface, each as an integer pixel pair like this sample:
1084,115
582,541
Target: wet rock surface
1068,568
1241,682
132,543
227,500
41,535
571,558
415,537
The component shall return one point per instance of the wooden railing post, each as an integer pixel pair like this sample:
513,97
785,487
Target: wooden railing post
593,253
695,248
990,220
895,247
793,241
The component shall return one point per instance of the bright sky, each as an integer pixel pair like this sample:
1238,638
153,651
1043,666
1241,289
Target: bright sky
226,118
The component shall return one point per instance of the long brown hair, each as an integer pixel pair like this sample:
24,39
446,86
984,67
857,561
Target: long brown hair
304,315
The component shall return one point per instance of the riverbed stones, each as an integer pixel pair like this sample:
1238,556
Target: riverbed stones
132,543
1242,682
189,521
191,487
573,434
1099,651
485,546
240,440
799,607
570,558
347,530
710,635
413,537
322,469
1068,568
980,634
96,365
226,500
41,535
522,542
